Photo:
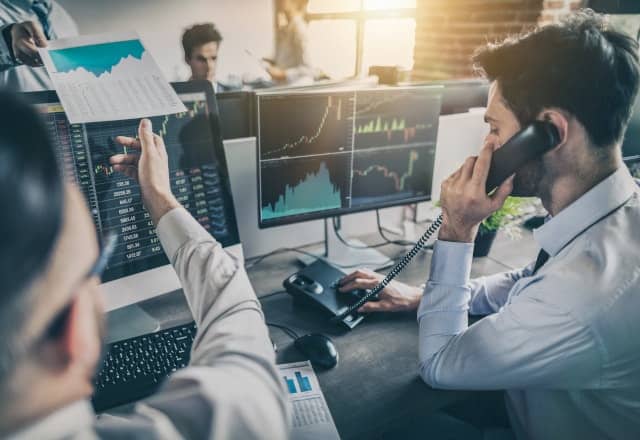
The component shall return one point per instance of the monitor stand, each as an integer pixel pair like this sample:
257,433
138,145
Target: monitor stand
129,322
345,257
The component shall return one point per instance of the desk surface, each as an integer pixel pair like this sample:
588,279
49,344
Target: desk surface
375,384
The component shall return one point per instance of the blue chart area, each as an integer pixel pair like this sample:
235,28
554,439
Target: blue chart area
95,58
301,384
303,186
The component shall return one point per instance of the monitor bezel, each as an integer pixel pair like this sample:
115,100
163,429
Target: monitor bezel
156,281
247,95
300,218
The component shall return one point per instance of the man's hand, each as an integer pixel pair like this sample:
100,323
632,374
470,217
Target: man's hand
396,297
150,168
26,38
464,201
276,73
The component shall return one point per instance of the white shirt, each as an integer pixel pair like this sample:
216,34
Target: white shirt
292,51
565,342
20,78
231,388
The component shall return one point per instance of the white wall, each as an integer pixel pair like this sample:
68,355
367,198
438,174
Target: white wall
244,24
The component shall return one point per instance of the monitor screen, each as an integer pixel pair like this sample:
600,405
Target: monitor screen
197,170
328,153
236,114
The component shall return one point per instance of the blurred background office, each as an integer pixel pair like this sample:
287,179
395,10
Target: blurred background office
427,39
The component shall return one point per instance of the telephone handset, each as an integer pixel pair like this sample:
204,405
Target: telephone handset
529,143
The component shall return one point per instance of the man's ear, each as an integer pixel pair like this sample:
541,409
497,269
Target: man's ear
560,121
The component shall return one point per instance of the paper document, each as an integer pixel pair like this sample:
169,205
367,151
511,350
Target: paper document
108,77
311,416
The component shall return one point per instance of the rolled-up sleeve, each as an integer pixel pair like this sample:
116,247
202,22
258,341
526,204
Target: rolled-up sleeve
231,388
6,54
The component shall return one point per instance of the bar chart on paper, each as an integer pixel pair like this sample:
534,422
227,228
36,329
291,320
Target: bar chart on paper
311,418
299,384
108,77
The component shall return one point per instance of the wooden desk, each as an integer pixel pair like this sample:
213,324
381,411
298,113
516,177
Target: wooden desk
375,385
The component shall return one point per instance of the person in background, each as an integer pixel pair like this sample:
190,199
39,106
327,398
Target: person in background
52,318
25,26
201,44
291,61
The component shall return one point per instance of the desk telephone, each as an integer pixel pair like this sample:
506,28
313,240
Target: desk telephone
529,143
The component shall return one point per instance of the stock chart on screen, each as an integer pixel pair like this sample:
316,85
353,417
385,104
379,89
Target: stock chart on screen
325,153
115,200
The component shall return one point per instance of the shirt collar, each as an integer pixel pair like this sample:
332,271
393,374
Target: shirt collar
61,424
595,204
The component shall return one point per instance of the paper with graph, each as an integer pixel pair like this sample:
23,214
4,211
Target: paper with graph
311,417
108,77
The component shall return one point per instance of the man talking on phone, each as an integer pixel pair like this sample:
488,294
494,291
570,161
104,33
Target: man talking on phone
561,334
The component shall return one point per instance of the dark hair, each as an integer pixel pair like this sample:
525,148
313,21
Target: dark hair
199,34
31,197
580,65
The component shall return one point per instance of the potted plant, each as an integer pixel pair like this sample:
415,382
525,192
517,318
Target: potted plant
504,217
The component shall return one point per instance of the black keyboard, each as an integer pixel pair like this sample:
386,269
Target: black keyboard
135,368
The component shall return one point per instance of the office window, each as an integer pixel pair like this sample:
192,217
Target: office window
388,42
332,45
330,6
346,37
389,4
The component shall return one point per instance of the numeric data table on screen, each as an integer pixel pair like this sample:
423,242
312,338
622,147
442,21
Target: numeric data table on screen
115,200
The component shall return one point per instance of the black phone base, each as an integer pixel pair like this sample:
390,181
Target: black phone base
316,285
357,255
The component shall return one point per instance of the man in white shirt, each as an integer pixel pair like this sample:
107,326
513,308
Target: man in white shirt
201,44
51,319
560,337
26,25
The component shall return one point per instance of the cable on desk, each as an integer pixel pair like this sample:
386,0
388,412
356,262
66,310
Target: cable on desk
269,295
293,335
309,254
342,240
388,240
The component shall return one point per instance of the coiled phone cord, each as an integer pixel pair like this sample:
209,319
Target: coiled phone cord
396,269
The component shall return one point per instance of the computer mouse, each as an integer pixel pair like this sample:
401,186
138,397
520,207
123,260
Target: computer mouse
319,349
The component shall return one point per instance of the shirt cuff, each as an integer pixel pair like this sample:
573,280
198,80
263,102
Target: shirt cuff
451,263
6,52
178,227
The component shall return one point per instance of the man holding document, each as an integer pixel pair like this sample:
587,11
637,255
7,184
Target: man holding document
25,26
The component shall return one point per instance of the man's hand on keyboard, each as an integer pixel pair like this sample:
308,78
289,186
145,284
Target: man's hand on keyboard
150,167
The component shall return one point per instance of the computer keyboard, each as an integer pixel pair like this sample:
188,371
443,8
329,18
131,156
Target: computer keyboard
134,368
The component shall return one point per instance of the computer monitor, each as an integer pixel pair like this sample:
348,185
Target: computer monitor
327,153
460,96
236,114
139,268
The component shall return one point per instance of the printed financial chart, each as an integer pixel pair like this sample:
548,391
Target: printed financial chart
108,77
330,152
114,199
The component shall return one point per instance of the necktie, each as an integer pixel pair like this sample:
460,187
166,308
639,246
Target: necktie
42,9
543,256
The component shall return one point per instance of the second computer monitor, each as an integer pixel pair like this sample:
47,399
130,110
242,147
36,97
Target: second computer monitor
328,153
236,111
139,268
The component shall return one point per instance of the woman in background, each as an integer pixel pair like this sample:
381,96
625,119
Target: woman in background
291,61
